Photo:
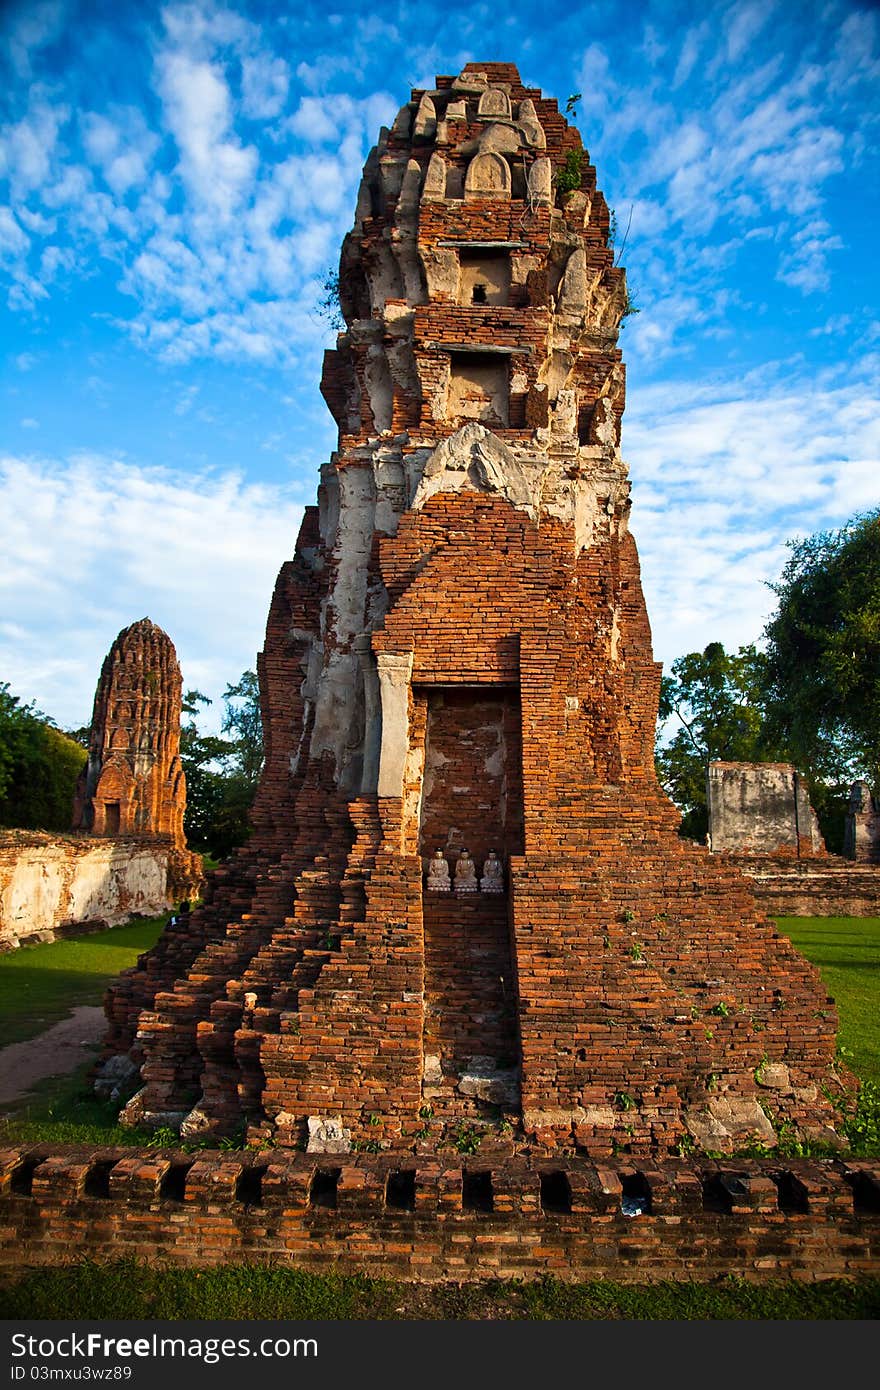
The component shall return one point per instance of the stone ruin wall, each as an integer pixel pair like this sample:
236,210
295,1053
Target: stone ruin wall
57,885
862,828
464,610
127,854
761,815
761,808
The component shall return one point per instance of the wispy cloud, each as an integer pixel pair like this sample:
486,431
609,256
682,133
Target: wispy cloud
217,235
725,473
738,126
134,541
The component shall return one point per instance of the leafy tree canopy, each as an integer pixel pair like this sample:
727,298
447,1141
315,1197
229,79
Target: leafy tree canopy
222,772
715,702
39,766
822,668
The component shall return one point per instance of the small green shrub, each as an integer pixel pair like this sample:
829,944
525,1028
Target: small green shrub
568,178
862,1128
467,1139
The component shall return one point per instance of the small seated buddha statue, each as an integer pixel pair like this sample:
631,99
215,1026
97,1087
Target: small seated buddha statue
438,874
492,878
465,874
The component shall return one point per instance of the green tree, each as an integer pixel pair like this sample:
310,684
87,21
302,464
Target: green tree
242,720
222,772
716,702
822,666
201,756
39,766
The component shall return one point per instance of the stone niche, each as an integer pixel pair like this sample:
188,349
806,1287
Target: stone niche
472,784
761,808
484,277
479,388
488,176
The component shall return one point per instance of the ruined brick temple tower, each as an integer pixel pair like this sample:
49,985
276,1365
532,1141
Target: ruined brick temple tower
133,786
458,661
133,783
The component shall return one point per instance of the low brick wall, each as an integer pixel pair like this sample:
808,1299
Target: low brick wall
430,1218
813,887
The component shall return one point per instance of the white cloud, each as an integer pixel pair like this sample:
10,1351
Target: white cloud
734,135
29,146
122,147
35,25
264,84
217,168
90,544
14,242
723,475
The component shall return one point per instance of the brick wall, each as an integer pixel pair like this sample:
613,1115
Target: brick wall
433,1217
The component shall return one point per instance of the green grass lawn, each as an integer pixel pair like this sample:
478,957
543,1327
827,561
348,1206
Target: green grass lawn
847,952
126,1290
39,985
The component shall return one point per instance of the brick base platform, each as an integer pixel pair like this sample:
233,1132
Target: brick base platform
433,1217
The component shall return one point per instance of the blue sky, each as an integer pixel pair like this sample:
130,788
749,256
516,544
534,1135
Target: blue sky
176,179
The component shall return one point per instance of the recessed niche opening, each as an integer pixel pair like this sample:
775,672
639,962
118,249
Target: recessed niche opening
97,1183
173,1185
635,1196
484,277
471,800
720,1190
22,1179
791,1194
249,1186
479,388
555,1193
324,1187
866,1193
400,1190
476,1192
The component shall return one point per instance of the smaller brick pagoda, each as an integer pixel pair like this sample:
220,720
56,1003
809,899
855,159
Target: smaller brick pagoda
133,785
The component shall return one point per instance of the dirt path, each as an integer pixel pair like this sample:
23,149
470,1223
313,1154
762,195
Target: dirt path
56,1052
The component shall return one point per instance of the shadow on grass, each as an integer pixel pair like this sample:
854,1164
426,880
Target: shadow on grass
65,1110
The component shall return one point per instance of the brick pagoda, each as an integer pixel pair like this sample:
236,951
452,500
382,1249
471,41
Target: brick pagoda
458,660
133,786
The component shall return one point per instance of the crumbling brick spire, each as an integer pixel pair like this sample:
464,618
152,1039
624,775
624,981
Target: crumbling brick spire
133,784
458,656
